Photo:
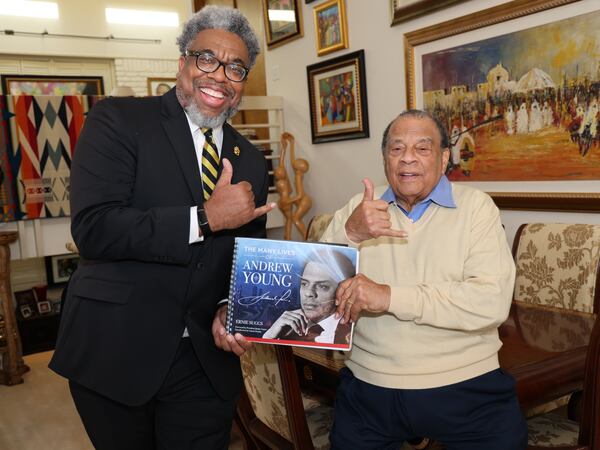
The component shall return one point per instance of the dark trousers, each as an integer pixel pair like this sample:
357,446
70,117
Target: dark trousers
476,414
184,414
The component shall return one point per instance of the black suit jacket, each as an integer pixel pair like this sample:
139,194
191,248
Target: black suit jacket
139,282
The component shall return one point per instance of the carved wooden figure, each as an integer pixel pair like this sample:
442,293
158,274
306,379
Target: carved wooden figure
283,186
302,201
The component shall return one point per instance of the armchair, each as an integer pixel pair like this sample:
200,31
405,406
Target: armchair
555,299
273,412
559,433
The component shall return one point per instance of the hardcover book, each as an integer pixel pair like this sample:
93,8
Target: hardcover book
283,292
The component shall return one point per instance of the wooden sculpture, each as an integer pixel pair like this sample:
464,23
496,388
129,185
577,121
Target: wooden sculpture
294,208
283,186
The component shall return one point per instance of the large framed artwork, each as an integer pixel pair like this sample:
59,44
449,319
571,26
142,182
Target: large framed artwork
331,27
521,107
403,10
337,92
51,85
283,21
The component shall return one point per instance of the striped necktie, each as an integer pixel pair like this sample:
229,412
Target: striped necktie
210,163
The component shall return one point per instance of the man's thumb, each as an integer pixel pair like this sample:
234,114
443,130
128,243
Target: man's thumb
368,195
226,173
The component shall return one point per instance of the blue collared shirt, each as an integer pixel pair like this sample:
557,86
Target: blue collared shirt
441,195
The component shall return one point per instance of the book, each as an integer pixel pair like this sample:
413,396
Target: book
283,292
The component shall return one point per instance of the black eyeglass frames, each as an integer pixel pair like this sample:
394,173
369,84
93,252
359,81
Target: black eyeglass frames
208,63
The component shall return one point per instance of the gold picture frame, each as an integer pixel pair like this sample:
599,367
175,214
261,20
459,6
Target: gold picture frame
283,22
404,10
536,201
331,26
160,86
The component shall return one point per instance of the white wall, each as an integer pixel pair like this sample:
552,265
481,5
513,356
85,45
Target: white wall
337,168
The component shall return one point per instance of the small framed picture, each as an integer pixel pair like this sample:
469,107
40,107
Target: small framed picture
160,86
331,27
44,307
26,311
59,268
25,298
337,91
283,21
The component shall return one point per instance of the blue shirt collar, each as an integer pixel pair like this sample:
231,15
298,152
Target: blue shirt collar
441,194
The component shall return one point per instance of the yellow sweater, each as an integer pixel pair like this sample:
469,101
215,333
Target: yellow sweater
451,287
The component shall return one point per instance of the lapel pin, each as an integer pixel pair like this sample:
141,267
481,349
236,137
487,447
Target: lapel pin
236,150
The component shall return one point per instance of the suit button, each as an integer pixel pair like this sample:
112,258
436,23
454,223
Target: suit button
200,266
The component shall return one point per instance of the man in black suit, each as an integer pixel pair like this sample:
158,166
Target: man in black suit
315,321
142,338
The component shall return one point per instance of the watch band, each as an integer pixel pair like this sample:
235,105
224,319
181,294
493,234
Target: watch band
203,222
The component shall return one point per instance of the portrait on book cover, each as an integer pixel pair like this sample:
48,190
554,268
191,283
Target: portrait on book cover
284,292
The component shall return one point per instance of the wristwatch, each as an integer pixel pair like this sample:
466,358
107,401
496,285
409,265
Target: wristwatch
203,222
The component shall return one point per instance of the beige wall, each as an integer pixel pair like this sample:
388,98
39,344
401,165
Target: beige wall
337,168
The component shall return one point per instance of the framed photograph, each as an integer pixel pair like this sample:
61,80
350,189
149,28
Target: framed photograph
517,119
26,311
160,86
331,26
44,307
403,10
51,85
59,268
26,297
337,93
283,21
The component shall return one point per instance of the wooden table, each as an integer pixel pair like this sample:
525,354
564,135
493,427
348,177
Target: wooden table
543,348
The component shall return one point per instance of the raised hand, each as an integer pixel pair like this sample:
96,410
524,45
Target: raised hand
232,205
296,320
370,219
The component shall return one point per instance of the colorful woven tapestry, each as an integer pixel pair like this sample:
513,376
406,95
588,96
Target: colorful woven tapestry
44,130
8,198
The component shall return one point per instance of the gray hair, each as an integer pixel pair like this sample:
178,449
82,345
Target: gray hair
217,17
418,114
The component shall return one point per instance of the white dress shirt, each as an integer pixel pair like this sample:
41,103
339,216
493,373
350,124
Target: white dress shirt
199,140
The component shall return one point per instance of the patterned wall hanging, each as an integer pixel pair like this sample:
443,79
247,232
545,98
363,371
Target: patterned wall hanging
44,130
8,198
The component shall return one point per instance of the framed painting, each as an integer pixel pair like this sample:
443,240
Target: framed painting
331,26
337,92
160,86
283,21
59,268
520,107
51,85
404,10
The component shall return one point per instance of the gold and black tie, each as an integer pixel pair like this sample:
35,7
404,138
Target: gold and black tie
210,163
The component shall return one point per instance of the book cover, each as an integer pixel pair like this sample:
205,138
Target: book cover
283,292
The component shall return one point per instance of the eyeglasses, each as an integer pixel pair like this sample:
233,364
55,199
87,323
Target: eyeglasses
207,63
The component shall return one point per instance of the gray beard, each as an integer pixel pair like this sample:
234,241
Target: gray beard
200,119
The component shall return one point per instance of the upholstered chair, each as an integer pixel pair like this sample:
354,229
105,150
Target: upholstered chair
273,410
317,226
547,335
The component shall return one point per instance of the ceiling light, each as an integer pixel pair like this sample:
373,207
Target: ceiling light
142,17
29,8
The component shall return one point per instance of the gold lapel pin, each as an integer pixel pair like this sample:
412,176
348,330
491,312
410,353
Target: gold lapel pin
236,150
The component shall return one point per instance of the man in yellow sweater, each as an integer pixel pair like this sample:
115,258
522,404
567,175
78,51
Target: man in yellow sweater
427,306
